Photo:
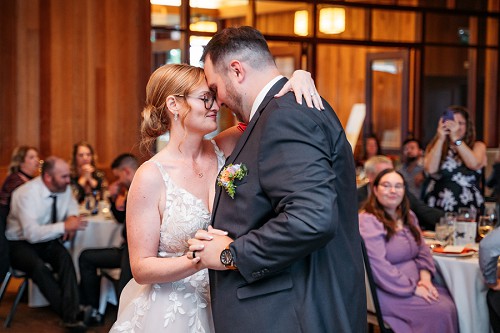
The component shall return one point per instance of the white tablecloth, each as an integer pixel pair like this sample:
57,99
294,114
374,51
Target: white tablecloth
465,283
100,232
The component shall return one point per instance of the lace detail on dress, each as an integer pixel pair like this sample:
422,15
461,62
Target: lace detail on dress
180,306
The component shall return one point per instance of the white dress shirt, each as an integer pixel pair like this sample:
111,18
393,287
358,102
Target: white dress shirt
262,94
31,212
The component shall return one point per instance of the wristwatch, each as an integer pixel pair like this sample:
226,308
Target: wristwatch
458,142
226,258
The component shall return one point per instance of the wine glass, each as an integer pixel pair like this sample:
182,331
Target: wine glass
485,225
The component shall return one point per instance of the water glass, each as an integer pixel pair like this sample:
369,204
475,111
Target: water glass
444,231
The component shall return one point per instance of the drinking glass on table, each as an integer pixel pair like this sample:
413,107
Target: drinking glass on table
485,225
466,214
444,231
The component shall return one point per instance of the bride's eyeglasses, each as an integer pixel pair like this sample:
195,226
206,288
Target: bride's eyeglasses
208,99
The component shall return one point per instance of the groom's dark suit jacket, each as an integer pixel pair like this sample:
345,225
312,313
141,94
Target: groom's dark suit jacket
295,223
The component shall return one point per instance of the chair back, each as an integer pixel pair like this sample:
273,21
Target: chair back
372,303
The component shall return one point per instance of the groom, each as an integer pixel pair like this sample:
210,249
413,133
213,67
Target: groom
292,259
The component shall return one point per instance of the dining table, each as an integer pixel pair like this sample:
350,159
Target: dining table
463,278
102,231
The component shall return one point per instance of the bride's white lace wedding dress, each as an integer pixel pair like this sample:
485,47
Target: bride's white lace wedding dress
180,306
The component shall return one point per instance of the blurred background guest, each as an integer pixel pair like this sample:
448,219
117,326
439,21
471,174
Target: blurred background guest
85,178
92,260
373,166
24,165
454,160
371,147
489,251
412,167
401,262
42,211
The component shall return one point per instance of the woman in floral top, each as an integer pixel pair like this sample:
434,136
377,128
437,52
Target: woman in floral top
454,161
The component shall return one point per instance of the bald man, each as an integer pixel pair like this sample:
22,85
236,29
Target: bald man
43,211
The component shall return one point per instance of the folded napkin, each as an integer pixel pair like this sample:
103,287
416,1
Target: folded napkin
453,249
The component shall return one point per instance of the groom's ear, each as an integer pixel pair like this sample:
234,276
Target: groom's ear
237,70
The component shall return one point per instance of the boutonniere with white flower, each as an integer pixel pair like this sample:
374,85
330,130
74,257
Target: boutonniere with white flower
229,174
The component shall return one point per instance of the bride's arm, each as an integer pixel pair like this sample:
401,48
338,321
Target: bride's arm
144,205
302,86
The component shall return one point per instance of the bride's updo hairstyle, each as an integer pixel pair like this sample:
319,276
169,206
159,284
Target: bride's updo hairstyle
173,79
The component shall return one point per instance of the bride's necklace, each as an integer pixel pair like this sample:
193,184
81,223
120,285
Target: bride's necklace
196,169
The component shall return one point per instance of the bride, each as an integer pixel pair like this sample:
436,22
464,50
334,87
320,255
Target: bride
171,198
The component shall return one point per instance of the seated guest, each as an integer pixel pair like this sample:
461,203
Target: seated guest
489,251
24,165
91,260
42,211
412,168
371,147
373,166
402,263
426,215
85,178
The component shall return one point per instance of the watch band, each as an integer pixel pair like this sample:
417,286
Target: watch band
230,265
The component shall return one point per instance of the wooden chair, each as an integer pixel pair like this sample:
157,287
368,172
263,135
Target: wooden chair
374,315
20,291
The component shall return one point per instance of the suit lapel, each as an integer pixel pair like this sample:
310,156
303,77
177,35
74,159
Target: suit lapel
244,137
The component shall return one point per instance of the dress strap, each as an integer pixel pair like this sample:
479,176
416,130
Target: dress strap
221,159
163,173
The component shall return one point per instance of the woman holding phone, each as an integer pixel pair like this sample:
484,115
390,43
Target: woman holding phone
454,160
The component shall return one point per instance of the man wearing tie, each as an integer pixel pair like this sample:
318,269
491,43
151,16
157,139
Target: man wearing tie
43,211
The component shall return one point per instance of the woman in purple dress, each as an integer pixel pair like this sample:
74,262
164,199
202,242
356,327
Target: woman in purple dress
402,263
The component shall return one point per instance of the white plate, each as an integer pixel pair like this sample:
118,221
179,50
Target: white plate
467,254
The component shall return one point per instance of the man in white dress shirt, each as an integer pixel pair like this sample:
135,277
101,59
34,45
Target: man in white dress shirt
43,212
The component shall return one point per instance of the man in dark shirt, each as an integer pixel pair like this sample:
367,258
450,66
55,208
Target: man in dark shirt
91,260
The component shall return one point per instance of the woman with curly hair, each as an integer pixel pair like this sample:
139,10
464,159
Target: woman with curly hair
454,160
401,262
85,177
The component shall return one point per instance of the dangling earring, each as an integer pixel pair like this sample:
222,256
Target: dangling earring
176,116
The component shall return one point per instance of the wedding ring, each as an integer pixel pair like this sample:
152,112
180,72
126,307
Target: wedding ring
313,93
194,256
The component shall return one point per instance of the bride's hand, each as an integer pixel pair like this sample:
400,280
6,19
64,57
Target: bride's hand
195,246
302,85
214,231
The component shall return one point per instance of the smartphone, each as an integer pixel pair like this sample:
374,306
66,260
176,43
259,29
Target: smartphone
448,115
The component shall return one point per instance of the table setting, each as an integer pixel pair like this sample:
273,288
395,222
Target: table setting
455,253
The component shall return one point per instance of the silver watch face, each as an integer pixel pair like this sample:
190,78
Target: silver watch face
226,258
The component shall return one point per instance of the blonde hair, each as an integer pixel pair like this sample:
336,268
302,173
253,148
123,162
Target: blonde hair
172,79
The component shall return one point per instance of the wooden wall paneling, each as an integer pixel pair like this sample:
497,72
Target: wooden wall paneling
491,103
340,77
28,75
73,70
8,83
